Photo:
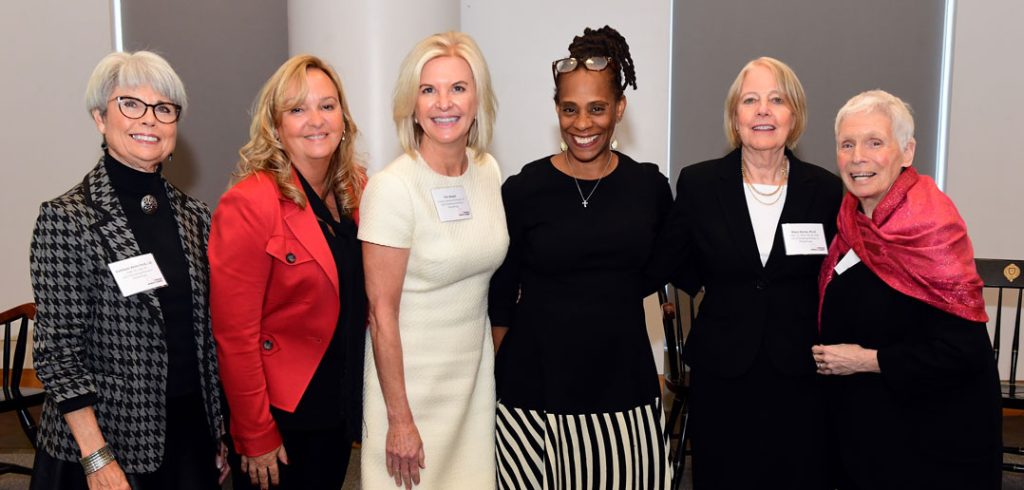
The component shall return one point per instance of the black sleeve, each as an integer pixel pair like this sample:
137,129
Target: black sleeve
948,350
662,208
80,401
673,250
504,290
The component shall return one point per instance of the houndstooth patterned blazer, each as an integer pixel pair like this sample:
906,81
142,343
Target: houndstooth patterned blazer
91,339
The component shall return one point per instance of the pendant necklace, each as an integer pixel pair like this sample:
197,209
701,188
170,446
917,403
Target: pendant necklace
572,170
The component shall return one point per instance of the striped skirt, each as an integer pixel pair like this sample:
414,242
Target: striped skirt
617,450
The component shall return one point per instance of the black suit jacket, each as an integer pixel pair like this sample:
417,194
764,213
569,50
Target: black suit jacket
709,243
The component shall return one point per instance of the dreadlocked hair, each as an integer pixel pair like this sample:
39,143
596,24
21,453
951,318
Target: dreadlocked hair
606,41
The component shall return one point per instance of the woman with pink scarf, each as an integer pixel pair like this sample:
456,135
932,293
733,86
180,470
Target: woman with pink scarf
912,393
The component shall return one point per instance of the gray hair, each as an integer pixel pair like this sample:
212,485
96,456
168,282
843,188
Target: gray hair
138,69
883,102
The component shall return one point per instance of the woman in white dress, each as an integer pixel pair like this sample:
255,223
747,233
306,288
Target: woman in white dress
433,232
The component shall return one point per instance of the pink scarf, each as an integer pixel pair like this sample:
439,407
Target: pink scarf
916,242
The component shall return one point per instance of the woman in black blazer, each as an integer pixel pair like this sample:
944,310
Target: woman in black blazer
751,229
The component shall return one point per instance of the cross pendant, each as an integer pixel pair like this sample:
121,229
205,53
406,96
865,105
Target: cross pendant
584,203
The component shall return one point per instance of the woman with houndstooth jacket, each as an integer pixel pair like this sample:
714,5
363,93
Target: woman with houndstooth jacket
119,270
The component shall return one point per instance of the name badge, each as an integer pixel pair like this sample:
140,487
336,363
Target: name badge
849,260
137,274
804,239
451,203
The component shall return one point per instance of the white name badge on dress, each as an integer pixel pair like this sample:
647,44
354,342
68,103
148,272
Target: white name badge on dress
451,203
137,274
804,239
849,260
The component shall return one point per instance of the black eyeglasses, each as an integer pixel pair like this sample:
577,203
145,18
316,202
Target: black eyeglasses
133,108
566,65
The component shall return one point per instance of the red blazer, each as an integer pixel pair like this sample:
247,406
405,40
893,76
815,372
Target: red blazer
274,305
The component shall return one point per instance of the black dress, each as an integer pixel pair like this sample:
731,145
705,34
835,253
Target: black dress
932,418
578,393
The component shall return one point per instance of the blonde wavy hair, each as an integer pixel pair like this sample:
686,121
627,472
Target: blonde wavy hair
264,153
451,43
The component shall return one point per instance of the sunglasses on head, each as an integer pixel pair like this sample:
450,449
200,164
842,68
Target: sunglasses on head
566,65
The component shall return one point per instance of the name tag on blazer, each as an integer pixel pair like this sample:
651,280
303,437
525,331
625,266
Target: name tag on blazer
804,239
137,274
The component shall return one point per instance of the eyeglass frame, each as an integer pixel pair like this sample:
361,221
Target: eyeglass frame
146,108
576,64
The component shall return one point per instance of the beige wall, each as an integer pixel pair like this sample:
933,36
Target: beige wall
985,169
48,140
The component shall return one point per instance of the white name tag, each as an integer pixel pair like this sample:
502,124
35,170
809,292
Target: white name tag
451,203
804,239
137,274
849,260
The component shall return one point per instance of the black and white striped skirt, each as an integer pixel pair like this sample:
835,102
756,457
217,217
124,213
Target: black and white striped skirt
619,450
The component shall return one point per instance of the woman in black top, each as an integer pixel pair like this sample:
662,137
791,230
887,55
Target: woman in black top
578,395
130,373
912,390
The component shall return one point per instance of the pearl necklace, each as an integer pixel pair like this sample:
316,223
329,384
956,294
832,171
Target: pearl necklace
754,192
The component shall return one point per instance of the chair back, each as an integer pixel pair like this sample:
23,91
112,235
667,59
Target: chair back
675,332
15,320
1004,276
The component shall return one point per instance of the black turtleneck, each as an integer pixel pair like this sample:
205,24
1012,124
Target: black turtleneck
158,234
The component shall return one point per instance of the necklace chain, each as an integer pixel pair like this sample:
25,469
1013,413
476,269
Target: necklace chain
753,190
572,170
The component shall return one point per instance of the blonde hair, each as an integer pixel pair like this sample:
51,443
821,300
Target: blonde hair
265,153
881,102
407,90
792,91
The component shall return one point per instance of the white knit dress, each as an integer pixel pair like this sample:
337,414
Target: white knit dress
446,336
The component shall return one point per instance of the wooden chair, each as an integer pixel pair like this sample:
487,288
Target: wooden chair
676,376
1002,276
14,397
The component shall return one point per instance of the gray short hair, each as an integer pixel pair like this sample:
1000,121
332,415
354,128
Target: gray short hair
124,69
898,112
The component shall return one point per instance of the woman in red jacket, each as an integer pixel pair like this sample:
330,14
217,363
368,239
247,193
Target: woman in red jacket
287,294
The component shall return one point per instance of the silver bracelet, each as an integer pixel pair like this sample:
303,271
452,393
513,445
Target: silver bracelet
97,460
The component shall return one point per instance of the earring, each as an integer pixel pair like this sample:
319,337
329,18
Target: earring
343,136
563,146
615,144
170,157
103,144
